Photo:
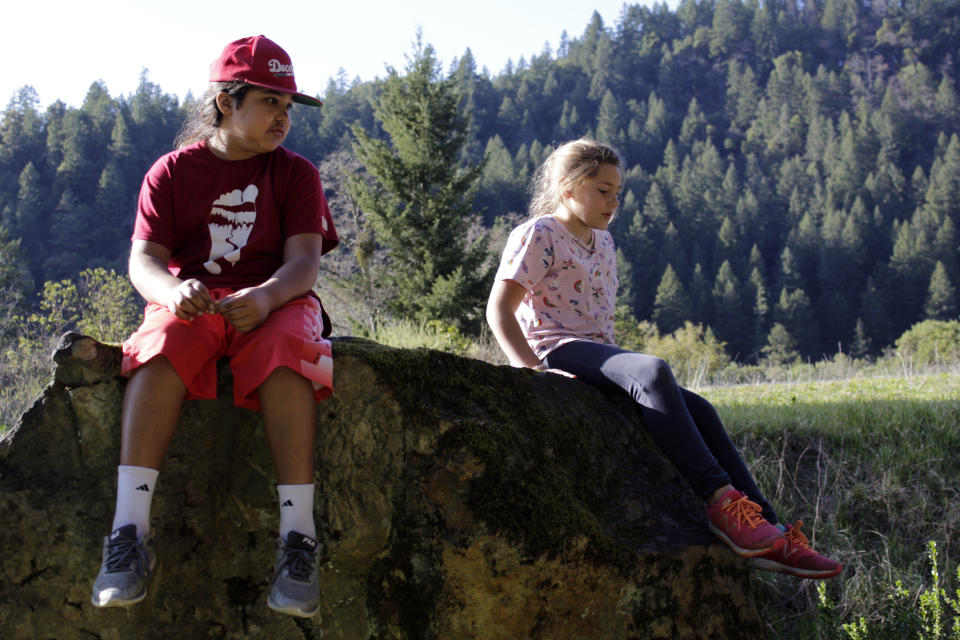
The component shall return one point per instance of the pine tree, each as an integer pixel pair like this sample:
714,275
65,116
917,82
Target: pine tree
643,245
31,218
729,312
941,301
946,104
731,24
942,198
21,133
701,297
794,311
693,128
67,249
625,293
760,313
672,305
860,347
655,132
743,95
501,183
420,198
609,127
874,306
764,31
15,281
114,203
781,347
909,266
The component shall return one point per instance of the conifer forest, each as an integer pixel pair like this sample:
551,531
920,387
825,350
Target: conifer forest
792,167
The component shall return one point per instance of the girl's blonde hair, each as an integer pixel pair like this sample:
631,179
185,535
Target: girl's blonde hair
570,164
206,115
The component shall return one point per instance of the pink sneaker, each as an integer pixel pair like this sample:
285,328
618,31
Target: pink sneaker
797,558
736,520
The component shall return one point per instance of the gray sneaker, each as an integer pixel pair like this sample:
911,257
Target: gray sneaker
294,589
126,568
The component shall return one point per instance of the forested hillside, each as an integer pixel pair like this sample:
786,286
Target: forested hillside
792,166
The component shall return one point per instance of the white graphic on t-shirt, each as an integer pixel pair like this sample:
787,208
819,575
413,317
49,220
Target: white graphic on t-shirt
231,221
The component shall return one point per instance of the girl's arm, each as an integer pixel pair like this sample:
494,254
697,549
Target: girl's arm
246,309
505,297
150,276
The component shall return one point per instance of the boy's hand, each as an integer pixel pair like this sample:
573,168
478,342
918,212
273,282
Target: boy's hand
190,299
245,309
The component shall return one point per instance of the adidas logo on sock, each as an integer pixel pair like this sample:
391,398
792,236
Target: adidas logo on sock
287,503
143,487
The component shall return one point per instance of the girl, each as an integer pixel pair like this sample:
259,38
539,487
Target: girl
551,309
229,232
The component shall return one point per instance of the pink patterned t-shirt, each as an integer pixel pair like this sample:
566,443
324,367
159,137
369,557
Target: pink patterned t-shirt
571,289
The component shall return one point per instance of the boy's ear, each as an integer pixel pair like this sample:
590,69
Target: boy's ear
224,102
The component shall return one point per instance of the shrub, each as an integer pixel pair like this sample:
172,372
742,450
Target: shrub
931,342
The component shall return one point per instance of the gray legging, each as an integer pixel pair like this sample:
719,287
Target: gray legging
685,425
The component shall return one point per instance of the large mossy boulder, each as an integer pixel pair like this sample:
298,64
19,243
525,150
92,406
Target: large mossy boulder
455,500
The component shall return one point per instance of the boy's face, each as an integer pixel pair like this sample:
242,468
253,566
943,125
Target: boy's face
259,125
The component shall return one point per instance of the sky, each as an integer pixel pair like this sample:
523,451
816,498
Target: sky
67,45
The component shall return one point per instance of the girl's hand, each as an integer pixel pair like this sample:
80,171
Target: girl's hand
190,299
245,309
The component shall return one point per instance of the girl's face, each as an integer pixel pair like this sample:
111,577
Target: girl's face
592,203
259,125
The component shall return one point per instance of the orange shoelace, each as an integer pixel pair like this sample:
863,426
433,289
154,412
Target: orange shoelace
745,510
796,537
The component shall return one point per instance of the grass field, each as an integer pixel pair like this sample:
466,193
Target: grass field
872,467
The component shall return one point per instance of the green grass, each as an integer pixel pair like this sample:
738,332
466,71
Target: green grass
872,466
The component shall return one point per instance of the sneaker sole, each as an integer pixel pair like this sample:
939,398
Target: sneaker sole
292,611
762,564
740,551
117,602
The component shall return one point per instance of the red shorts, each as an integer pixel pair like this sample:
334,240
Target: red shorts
290,337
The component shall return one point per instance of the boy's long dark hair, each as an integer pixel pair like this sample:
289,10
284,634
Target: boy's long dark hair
206,116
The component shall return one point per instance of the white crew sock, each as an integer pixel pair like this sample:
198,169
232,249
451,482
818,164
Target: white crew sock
135,486
296,509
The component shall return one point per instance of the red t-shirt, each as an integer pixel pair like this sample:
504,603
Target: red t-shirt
225,221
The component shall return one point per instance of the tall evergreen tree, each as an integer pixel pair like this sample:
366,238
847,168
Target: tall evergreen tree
501,183
760,313
729,311
672,305
795,313
731,24
31,217
609,126
861,345
701,296
15,281
419,197
941,301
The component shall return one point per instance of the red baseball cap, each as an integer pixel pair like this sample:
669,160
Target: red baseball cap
259,61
